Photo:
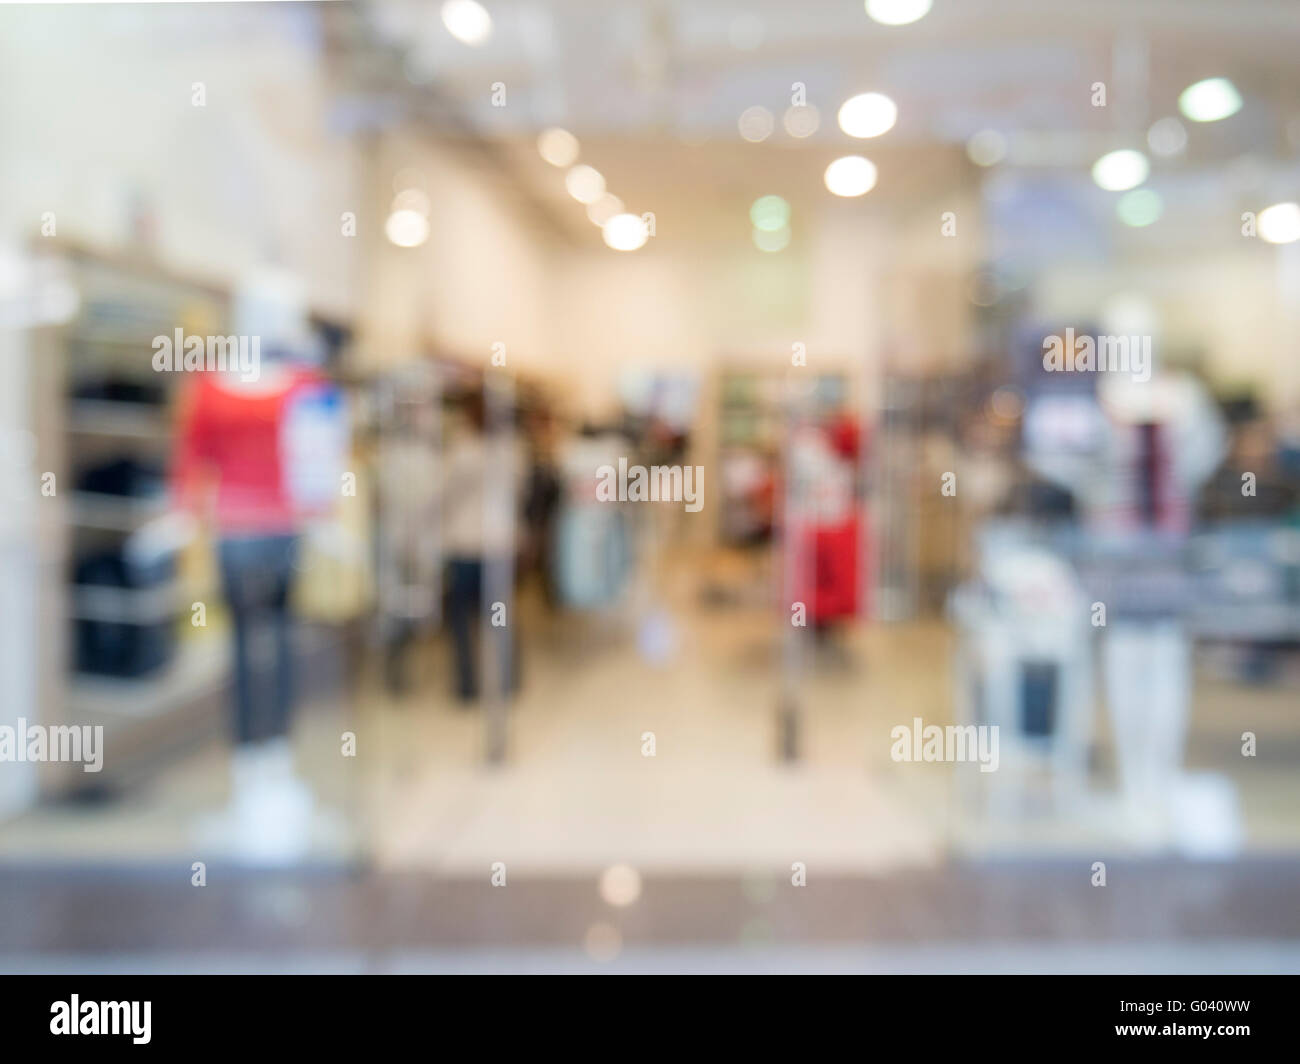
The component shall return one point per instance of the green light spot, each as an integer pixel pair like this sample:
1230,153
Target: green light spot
769,213
1139,207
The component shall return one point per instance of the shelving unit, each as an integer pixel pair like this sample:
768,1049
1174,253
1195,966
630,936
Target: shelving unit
121,418
752,422
105,404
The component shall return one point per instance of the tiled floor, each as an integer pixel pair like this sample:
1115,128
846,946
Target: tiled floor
576,794
1012,916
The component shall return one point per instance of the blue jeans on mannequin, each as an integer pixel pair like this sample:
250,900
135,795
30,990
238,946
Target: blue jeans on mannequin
256,577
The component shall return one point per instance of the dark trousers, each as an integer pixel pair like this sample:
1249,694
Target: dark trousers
464,609
465,616
256,575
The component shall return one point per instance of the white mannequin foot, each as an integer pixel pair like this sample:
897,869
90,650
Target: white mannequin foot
269,820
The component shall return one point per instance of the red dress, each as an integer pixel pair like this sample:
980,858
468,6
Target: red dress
833,545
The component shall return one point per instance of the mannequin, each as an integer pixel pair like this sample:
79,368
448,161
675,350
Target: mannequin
1167,439
258,456
1152,446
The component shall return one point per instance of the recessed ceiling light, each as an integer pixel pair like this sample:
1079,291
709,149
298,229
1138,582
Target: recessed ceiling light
1210,100
801,121
756,124
1118,171
988,147
467,21
585,183
558,146
407,228
1140,207
1280,223
769,213
851,176
868,114
1167,136
897,12
625,232
620,885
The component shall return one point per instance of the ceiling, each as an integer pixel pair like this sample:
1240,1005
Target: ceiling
654,89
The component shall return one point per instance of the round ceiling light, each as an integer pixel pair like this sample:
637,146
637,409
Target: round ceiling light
1280,223
801,121
1140,207
407,228
1167,136
851,176
1118,171
988,147
467,21
558,146
769,213
1210,100
868,114
897,12
625,232
756,124
585,183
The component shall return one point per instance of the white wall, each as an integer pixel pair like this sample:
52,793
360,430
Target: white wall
695,305
484,275
96,108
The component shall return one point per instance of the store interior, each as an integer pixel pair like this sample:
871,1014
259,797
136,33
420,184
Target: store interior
810,259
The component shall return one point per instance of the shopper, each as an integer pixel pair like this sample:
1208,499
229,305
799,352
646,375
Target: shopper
407,472
480,496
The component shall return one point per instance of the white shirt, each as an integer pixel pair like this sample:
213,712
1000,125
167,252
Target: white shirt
480,493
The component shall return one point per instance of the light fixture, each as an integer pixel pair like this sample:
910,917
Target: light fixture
620,885
1280,223
625,232
801,121
756,124
772,241
988,147
467,21
1118,171
585,183
868,114
1140,207
897,12
851,175
407,228
769,213
604,209
558,146
1167,136
1210,100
